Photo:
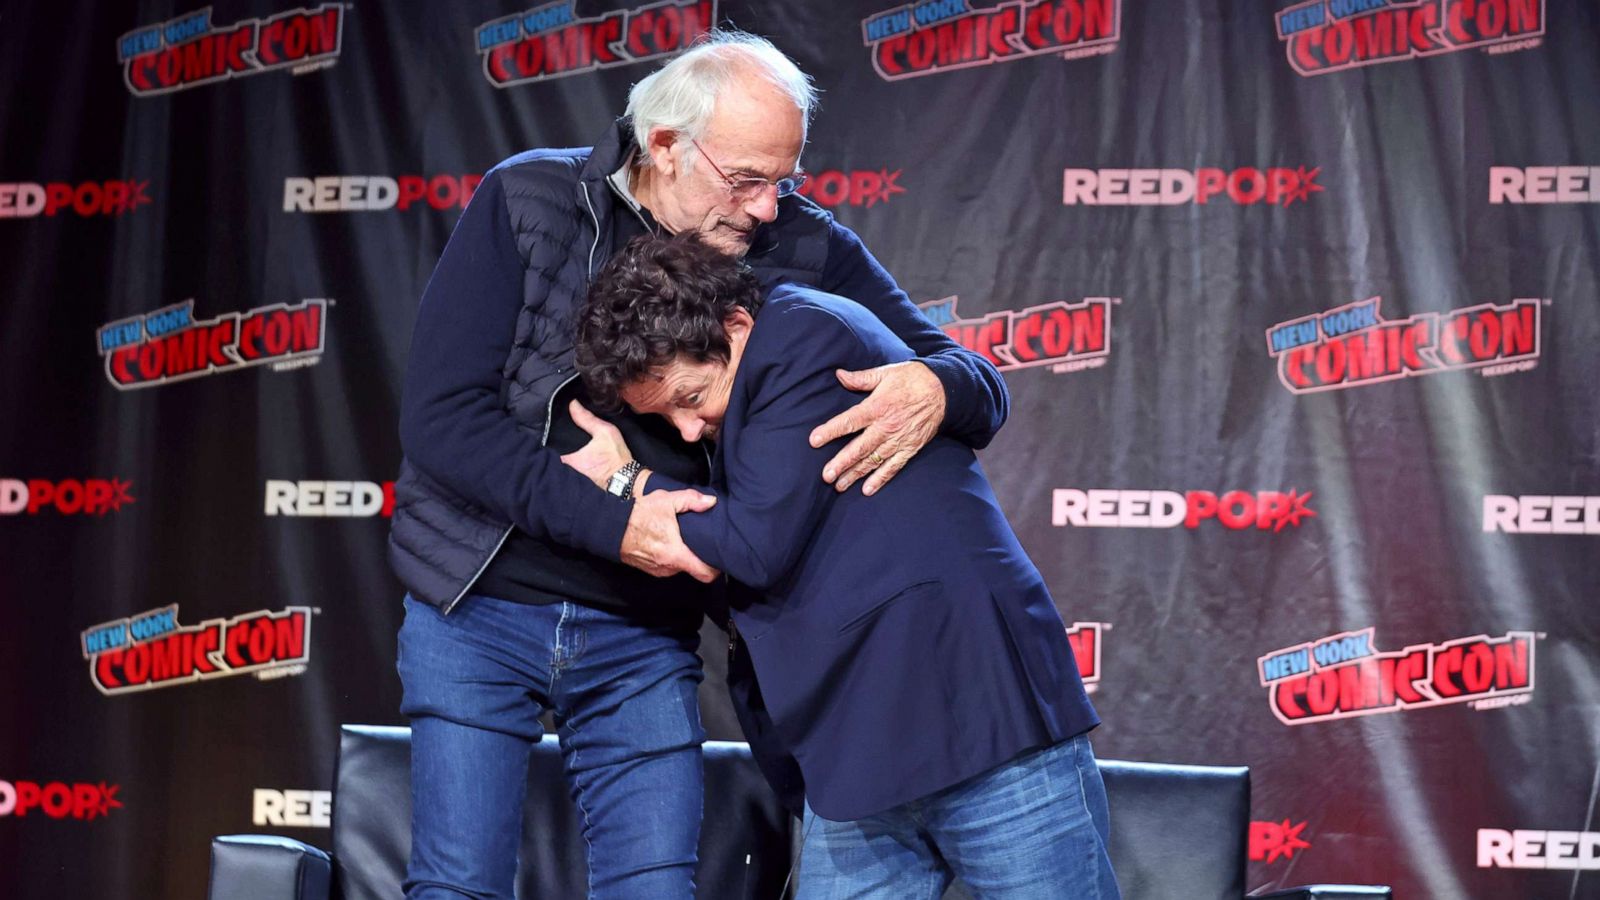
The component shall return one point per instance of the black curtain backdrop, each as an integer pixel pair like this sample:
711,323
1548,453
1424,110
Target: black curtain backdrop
1297,305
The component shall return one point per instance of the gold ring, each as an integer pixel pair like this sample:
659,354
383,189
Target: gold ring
875,459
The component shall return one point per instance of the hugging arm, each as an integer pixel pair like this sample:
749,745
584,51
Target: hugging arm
947,389
772,499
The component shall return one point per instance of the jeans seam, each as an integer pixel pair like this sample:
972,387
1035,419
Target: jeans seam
577,799
1083,797
556,656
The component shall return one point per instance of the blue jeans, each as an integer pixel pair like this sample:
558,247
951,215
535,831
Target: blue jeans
1034,828
624,700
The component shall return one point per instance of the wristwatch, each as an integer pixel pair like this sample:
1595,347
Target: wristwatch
621,483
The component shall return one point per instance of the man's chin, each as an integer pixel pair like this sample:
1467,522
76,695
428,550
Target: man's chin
728,240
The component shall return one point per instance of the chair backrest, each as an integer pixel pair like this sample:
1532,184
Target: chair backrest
1176,831
372,823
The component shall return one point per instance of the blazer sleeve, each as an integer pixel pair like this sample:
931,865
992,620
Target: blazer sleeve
976,400
774,496
454,426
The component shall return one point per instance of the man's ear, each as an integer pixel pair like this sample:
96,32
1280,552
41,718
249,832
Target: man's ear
738,324
659,144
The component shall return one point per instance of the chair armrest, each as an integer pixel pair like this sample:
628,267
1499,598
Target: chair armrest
266,867
1327,892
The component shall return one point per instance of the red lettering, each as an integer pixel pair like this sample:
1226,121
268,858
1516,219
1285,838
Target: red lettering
238,642
1200,505
85,801
981,337
106,666
57,195
444,192
412,188
57,800
886,56
69,496
206,643
27,796
1271,505
97,496
289,634
1331,362
1322,692
136,664
238,41
1089,329
40,493
864,185
1083,643
261,641
1286,698
1236,509
1239,194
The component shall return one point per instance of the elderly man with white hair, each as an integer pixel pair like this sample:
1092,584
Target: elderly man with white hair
529,588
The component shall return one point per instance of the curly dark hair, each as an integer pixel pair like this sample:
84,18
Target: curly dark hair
657,299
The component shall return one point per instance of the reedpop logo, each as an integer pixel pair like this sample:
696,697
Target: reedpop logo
69,496
59,799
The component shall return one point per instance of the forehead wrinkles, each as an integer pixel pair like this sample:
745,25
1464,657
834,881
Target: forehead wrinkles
758,128
661,387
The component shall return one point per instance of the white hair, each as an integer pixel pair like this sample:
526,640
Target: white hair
681,95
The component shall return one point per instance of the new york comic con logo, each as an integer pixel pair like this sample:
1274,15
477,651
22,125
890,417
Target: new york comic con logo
1355,345
943,35
1345,675
550,41
1065,336
1085,640
191,50
171,345
1333,35
151,650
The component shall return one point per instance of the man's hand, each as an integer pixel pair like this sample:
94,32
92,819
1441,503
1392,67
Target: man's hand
606,451
653,543
896,421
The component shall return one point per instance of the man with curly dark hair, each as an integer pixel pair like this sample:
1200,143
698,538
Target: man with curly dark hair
529,591
904,677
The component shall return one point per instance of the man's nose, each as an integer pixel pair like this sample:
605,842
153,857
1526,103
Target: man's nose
764,205
691,427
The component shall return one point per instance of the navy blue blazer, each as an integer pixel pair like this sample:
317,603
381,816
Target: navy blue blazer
902,642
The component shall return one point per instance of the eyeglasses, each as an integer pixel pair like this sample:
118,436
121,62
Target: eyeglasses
750,186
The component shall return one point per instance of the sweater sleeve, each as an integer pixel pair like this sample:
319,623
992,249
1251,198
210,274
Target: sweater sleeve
453,425
772,499
976,400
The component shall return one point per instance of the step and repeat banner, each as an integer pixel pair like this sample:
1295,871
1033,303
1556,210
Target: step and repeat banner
1299,306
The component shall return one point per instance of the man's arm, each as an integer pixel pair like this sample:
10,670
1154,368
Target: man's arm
773,500
976,399
954,390
454,427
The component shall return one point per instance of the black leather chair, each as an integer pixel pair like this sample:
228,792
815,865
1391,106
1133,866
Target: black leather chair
1177,832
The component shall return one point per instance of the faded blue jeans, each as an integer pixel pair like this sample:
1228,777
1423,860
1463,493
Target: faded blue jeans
1034,828
624,698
